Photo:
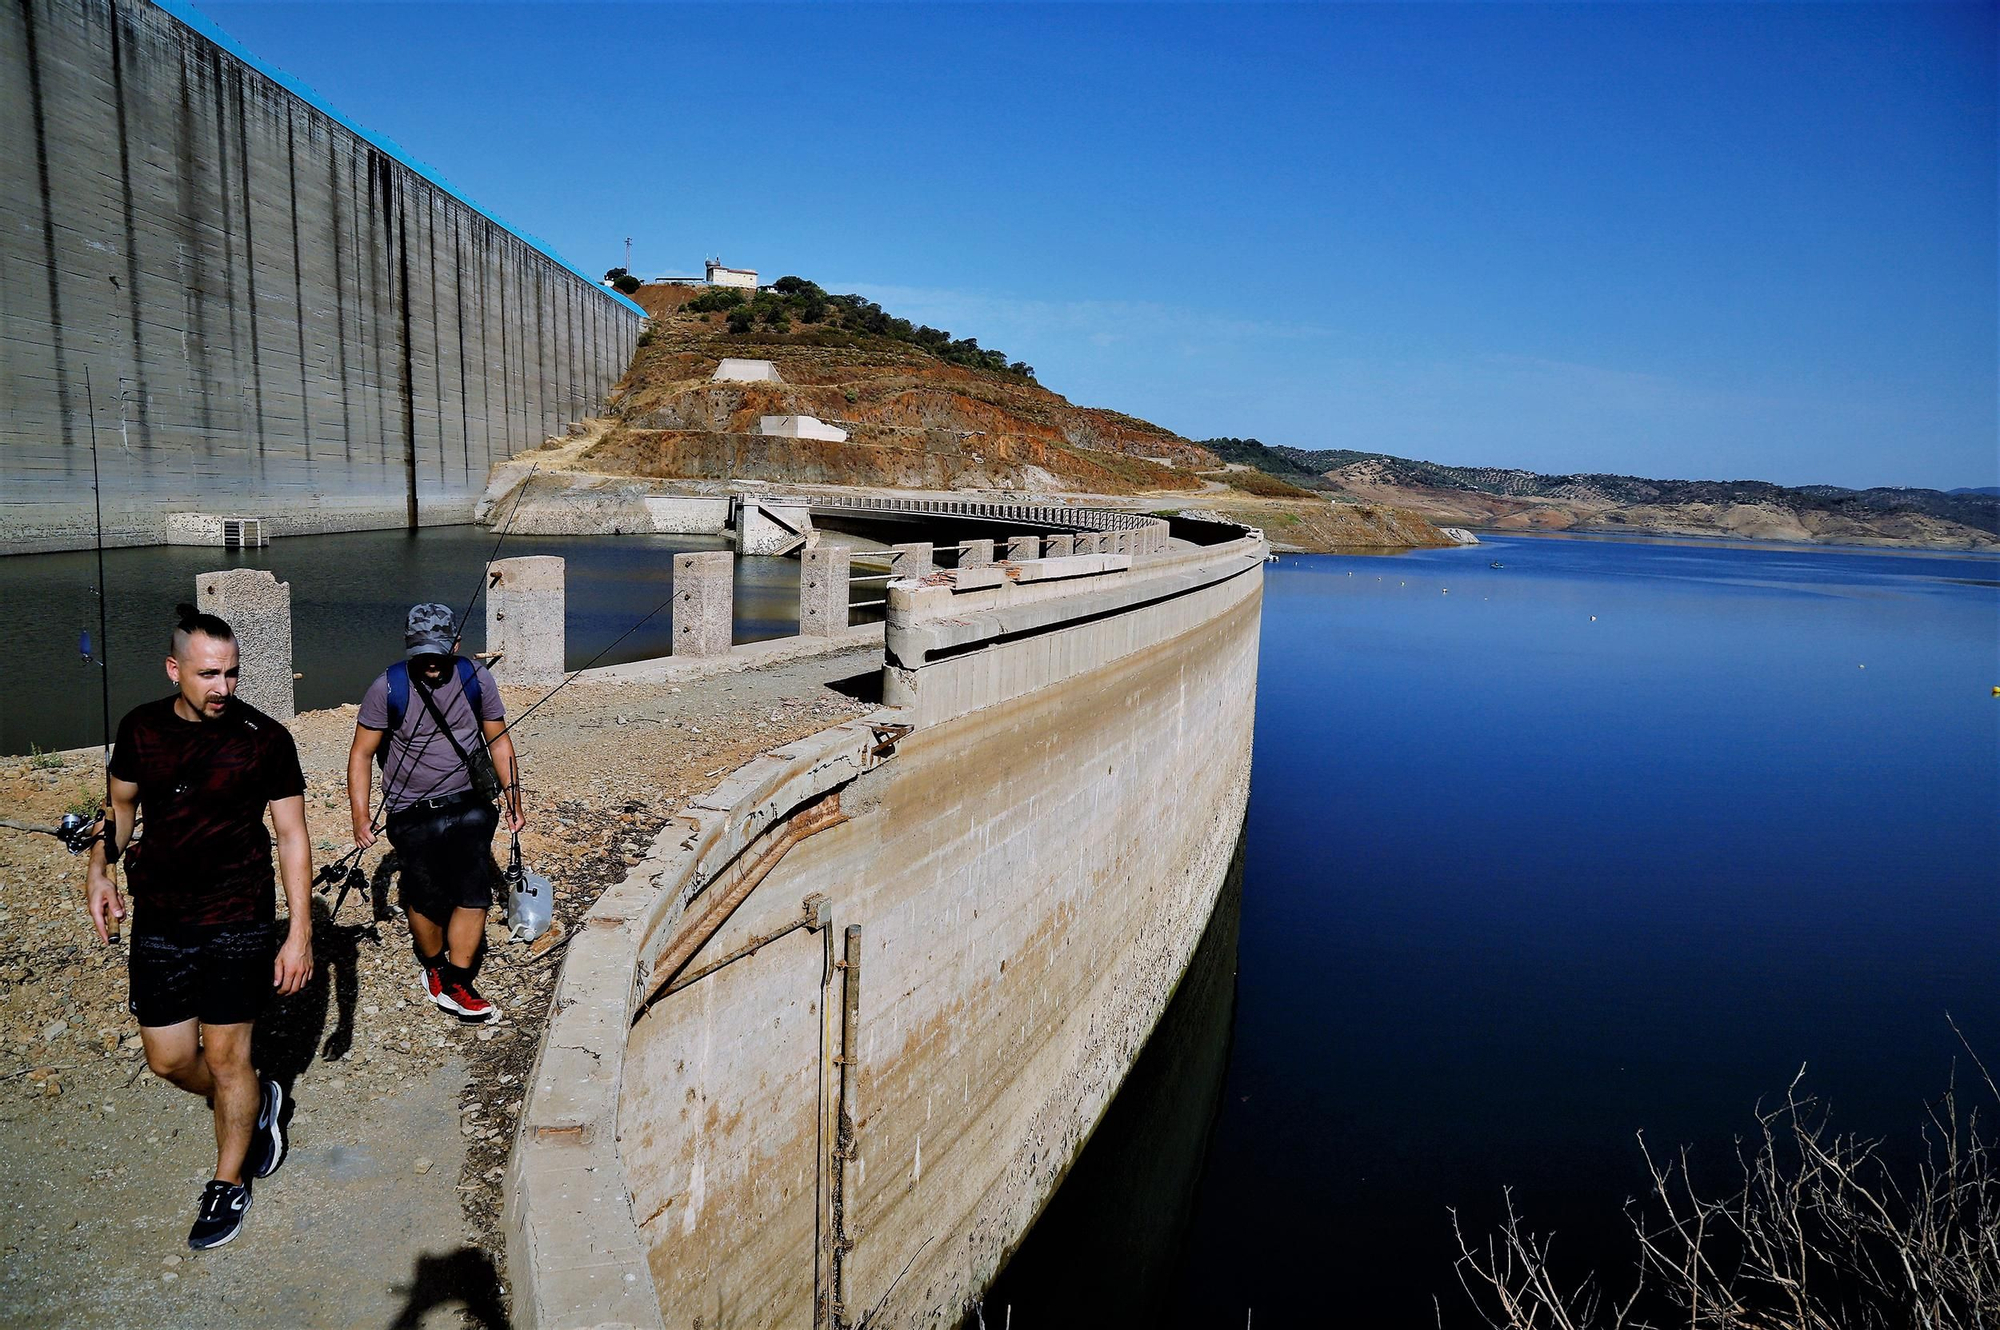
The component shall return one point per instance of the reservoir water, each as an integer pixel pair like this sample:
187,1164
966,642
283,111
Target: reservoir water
349,596
1613,838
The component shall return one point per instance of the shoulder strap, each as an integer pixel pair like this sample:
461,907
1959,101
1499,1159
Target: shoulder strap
399,693
468,680
444,727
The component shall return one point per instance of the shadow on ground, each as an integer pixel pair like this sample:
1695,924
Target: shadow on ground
466,1277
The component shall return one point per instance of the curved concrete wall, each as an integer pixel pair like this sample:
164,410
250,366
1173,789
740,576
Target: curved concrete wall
279,315
1031,866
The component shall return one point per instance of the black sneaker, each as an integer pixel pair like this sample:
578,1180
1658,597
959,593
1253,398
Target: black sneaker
220,1218
267,1140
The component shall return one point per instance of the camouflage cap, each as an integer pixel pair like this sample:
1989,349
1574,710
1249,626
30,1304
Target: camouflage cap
431,631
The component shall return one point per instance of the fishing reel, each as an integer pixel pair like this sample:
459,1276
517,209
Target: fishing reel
78,832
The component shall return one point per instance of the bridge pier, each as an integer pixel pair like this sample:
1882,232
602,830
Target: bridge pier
823,578
524,619
704,596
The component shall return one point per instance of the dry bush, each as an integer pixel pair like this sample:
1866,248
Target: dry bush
1823,1234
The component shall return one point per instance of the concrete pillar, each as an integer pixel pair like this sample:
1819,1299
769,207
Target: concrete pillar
704,603
524,619
258,608
912,559
1121,542
1024,547
823,576
1058,547
976,554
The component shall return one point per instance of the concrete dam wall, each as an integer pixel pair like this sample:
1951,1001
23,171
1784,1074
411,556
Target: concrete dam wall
278,315
828,1052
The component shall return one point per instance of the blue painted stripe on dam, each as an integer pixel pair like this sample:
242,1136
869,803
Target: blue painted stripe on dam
207,28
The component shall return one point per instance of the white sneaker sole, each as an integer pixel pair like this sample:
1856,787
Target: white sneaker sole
443,1000
224,1242
277,1130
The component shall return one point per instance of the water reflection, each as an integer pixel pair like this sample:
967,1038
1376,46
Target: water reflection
1105,1250
349,595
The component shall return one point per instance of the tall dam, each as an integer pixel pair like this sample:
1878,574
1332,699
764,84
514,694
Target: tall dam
273,312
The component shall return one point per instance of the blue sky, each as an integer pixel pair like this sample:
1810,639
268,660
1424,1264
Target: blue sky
1710,240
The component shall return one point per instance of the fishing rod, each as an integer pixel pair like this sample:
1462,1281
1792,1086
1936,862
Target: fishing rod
340,870
77,831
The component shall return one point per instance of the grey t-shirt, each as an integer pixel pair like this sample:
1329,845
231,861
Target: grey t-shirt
417,761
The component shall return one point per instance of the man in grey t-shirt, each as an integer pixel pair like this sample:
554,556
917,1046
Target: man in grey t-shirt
429,719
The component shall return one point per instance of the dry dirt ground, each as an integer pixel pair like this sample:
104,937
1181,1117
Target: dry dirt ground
386,1212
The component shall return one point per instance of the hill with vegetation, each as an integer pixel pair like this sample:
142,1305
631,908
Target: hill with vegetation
1501,498
923,409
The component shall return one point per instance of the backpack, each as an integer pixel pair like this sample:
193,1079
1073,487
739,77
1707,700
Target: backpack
399,689
478,763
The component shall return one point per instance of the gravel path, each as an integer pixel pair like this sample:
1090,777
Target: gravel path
387,1211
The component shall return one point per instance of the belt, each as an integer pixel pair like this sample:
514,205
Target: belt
442,802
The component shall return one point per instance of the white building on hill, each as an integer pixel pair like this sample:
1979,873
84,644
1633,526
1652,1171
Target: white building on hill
800,427
732,370
746,278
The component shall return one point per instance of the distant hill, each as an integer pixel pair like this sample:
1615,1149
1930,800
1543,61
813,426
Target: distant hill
922,408
1505,498
1976,489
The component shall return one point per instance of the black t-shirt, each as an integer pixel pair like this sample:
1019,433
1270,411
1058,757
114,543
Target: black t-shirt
204,856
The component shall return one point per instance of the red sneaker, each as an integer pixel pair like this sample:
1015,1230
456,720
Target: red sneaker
432,981
458,995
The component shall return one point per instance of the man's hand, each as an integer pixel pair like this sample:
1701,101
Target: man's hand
364,835
515,819
294,964
107,907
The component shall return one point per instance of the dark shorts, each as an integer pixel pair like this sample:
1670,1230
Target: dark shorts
218,974
445,856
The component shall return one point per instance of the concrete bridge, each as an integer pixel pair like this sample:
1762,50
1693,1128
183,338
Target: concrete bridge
826,1053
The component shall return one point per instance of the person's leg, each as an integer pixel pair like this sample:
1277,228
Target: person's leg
173,1053
226,1052
430,938
467,930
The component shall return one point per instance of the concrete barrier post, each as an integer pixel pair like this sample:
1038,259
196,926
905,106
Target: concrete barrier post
1024,547
524,619
1059,547
704,608
976,554
1121,542
823,574
913,559
258,608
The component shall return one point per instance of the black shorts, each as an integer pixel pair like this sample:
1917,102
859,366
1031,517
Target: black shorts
446,857
218,974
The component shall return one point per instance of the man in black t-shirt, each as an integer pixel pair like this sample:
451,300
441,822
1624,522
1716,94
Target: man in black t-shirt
204,765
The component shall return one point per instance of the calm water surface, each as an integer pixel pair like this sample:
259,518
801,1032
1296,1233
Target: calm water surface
1520,882
350,593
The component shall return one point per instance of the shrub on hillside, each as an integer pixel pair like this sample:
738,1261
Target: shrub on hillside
1264,486
792,297
715,300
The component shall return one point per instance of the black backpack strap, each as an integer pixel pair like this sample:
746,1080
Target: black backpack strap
444,727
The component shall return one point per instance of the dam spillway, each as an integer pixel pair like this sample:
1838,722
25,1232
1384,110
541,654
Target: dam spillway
276,313
830,1049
